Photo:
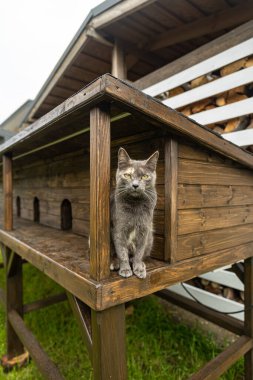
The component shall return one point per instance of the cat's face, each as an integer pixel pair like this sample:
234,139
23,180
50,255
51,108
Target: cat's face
136,178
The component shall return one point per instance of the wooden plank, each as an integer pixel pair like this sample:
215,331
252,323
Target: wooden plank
100,154
13,299
171,182
82,314
72,280
224,321
44,364
240,138
216,22
120,10
117,290
202,67
205,219
206,242
109,350
89,93
44,302
217,86
220,44
7,191
134,100
248,314
217,366
194,172
227,112
197,196
119,69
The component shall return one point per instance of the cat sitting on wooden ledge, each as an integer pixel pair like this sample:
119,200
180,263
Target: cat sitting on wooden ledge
132,208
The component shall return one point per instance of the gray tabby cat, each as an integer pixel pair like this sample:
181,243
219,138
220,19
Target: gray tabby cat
132,208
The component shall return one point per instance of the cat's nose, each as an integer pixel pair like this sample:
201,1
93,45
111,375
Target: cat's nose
135,184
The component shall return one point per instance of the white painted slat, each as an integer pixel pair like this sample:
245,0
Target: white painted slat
230,111
225,278
240,138
215,302
222,59
212,88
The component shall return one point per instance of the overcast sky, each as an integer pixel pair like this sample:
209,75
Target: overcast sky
33,36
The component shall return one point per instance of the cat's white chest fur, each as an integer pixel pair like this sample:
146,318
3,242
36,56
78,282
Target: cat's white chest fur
131,238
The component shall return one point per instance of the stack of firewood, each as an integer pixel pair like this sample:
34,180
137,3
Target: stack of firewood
215,288
228,97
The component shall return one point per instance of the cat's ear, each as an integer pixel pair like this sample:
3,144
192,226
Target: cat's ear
152,161
123,158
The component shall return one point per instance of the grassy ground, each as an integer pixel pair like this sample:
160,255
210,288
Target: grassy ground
158,348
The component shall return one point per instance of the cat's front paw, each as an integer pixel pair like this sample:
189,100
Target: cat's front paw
114,264
140,269
125,270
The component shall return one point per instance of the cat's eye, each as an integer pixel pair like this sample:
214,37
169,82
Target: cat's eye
145,176
127,176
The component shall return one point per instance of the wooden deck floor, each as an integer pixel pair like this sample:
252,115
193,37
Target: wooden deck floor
64,257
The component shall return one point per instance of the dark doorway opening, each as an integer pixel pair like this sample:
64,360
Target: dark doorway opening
66,215
36,210
18,206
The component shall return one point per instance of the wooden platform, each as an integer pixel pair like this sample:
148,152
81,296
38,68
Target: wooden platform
64,257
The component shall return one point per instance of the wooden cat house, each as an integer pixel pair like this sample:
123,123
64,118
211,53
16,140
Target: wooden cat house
57,178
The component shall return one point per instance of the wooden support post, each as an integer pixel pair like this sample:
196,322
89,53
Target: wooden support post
13,265
108,337
82,314
119,69
171,189
100,141
248,315
7,188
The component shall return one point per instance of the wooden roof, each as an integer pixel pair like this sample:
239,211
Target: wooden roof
152,32
66,127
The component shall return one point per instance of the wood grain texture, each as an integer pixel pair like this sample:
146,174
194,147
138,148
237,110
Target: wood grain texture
13,299
217,366
118,290
218,45
119,69
170,207
171,121
198,196
194,172
204,219
109,350
7,191
205,242
100,162
248,314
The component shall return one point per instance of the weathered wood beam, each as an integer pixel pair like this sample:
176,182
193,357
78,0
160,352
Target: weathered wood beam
123,9
44,364
91,32
210,24
8,192
248,315
171,189
216,367
119,69
225,321
82,314
39,304
109,344
226,41
100,142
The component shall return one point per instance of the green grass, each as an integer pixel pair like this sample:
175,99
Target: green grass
158,347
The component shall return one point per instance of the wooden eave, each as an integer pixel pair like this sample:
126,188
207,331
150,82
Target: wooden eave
135,24
60,121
